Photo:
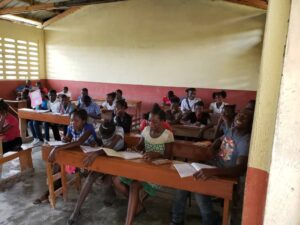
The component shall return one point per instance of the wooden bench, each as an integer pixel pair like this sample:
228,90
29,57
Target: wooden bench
24,156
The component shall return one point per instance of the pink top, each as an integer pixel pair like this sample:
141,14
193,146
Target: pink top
14,131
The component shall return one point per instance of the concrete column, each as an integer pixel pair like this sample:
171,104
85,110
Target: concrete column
283,196
266,110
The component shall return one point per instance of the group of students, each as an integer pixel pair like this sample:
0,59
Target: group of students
229,149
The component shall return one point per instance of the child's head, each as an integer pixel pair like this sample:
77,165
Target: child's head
86,100
156,119
84,92
110,97
191,93
64,100
28,83
228,112
170,94
52,95
175,103
39,84
25,94
119,94
66,89
3,107
219,96
251,105
107,129
155,109
243,120
121,106
79,118
199,106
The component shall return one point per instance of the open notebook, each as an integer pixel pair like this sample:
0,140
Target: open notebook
113,153
188,169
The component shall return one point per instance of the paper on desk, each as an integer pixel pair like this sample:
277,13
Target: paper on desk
42,110
187,169
56,143
88,149
122,154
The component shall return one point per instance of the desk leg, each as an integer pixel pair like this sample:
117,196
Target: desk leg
226,212
52,197
64,181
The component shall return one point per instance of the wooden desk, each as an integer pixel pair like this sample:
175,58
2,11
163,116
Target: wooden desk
164,175
186,130
30,114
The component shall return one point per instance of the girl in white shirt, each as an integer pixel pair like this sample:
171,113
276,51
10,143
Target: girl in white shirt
217,106
110,103
188,103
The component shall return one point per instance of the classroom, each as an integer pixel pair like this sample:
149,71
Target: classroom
139,112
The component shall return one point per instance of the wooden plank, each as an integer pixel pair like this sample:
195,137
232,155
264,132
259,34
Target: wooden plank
60,16
186,130
262,4
51,6
4,3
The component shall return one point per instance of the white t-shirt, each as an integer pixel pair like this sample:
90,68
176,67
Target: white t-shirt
54,106
108,106
68,94
185,107
215,109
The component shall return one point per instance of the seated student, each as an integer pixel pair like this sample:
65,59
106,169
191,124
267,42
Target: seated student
66,92
84,92
23,87
66,107
122,118
119,95
110,103
217,106
226,121
34,126
54,106
9,128
25,97
39,85
188,103
167,99
155,143
79,133
231,156
91,108
147,117
111,137
174,114
251,105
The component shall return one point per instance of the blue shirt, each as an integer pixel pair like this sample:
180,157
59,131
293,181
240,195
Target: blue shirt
93,109
77,134
43,106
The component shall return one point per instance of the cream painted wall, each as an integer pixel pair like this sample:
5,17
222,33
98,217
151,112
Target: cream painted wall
200,43
26,33
283,198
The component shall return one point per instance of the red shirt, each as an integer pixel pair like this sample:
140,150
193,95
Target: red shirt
145,123
166,100
14,131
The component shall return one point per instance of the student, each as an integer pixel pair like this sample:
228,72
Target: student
188,103
90,107
79,133
35,125
23,87
217,106
66,92
231,156
226,120
167,99
251,105
9,128
110,103
174,114
122,118
39,85
54,106
119,95
84,92
147,117
24,96
155,143
66,107
111,137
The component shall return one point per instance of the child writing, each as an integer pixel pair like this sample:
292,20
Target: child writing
155,143
9,129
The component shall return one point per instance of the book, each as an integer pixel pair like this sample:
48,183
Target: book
56,143
113,153
188,169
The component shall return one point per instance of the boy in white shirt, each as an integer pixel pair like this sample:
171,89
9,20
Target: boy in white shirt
217,106
188,103
110,103
66,92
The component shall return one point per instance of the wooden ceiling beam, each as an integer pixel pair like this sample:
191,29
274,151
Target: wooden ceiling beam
262,4
51,6
60,16
4,3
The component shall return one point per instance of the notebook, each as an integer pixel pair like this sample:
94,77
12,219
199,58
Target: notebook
188,169
56,143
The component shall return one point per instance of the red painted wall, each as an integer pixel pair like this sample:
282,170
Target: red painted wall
147,94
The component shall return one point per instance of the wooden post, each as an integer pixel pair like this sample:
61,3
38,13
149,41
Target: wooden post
52,197
26,160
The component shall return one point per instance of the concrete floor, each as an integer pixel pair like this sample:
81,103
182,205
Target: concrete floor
16,206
